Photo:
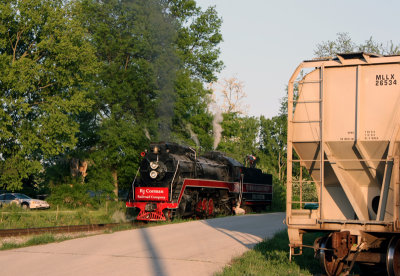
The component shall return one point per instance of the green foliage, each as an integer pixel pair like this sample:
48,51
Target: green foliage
9,245
344,44
74,196
134,43
273,137
239,136
148,82
192,123
198,38
42,239
106,212
59,172
271,257
35,240
13,207
46,66
99,179
91,79
279,194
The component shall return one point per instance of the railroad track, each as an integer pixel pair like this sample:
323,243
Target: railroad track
61,229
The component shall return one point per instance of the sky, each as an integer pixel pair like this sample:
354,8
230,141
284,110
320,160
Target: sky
264,41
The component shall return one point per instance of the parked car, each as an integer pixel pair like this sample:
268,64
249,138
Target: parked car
23,200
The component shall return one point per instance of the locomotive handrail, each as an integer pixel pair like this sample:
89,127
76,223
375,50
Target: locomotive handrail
133,184
241,188
173,178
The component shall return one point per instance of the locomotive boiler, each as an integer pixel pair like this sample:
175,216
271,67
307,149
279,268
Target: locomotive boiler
174,181
344,125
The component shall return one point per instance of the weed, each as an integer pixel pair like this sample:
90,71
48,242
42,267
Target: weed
271,257
41,239
15,217
9,245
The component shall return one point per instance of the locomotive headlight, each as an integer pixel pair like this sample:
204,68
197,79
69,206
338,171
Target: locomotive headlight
153,174
155,150
153,165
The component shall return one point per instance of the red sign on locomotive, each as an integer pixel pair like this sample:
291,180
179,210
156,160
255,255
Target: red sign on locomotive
151,193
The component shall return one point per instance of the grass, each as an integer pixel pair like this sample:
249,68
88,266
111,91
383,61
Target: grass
13,216
271,257
50,238
35,240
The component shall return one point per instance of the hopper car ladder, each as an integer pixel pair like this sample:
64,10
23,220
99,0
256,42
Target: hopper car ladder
300,182
292,102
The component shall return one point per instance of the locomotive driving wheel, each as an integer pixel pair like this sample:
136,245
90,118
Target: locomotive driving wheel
393,257
205,207
331,265
210,208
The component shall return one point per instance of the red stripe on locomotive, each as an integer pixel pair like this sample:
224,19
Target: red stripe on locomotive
232,187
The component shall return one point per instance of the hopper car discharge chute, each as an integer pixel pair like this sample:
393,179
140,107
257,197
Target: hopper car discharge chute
343,181
173,181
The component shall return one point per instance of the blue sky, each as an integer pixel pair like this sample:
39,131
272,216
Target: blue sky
265,40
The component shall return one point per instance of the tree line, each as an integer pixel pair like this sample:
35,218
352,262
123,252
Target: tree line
86,85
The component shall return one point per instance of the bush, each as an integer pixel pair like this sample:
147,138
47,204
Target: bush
77,195
279,195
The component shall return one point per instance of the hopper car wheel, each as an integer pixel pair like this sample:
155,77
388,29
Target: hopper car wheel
329,263
393,257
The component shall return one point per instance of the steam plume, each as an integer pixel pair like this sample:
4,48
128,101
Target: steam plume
193,136
146,132
217,128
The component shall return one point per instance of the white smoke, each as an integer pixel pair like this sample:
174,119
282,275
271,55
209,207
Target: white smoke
193,135
217,128
146,132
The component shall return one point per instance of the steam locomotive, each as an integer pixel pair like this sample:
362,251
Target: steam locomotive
173,181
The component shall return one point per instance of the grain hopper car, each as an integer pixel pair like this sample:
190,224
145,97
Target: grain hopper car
343,161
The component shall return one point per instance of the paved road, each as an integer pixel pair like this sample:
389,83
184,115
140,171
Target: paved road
192,248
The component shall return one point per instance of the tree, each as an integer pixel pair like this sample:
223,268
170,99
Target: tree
192,121
197,47
199,35
239,133
344,44
134,42
154,55
273,136
231,90
239,136
46,66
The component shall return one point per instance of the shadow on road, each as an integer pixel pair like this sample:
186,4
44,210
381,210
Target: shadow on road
263,226
157,266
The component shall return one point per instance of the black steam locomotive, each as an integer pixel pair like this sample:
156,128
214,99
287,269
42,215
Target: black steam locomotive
173,181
